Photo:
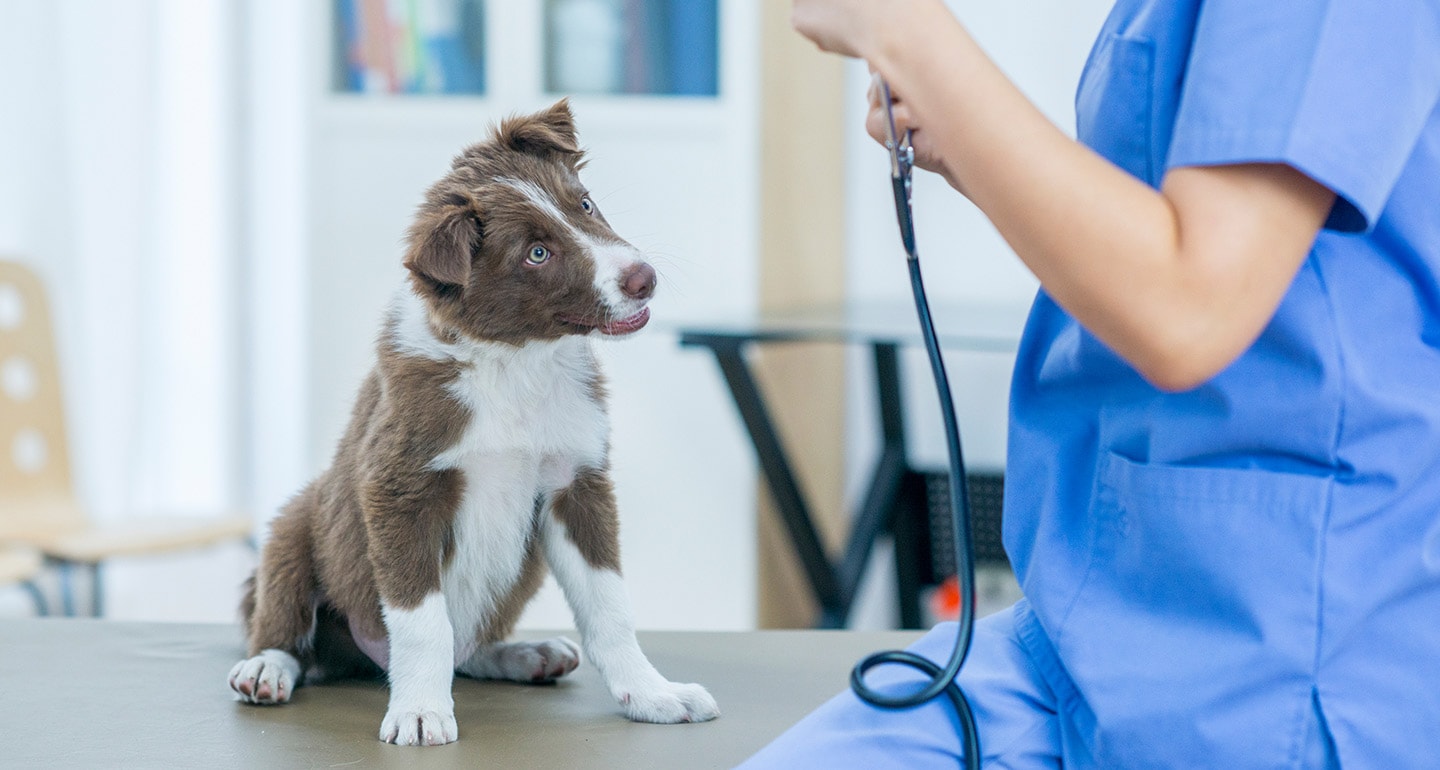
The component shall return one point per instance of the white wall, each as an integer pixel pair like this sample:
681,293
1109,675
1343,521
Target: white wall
30,145
273,197
115,192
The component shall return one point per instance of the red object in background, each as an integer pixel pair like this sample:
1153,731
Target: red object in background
945,600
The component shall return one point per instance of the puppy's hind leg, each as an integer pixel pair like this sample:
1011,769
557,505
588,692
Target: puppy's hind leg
543,661
279,615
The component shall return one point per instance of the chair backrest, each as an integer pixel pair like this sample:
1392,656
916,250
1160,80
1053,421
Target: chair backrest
36,496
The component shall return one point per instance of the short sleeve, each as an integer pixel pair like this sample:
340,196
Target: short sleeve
1339,90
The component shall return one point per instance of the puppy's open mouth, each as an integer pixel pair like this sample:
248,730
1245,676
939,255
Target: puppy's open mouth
627,325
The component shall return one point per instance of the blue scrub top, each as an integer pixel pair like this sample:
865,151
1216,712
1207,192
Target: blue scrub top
1220,570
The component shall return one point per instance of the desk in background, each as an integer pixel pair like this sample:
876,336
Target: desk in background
900,498
92,694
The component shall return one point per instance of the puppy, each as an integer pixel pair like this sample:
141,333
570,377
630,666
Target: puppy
477,453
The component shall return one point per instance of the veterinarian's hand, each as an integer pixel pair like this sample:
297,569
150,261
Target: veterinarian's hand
851,27
926,156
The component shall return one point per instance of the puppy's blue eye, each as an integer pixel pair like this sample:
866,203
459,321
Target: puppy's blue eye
587,205
538,254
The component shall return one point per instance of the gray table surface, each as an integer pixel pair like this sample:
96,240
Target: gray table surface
106,694
977,326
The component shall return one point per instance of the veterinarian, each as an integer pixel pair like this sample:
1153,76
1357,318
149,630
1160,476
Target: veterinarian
1224,447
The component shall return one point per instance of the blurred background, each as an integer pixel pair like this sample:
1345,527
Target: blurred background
213,194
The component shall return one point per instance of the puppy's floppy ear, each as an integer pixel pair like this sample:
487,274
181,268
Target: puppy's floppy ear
547,134
442,240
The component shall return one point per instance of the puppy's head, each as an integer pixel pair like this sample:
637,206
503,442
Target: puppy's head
510,247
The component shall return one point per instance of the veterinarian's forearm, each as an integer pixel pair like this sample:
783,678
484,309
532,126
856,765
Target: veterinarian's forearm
1164,278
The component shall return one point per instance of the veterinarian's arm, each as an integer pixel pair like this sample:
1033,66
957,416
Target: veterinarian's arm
1179,282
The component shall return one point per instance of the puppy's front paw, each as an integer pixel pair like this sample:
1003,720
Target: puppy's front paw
669,703
265,679
419,727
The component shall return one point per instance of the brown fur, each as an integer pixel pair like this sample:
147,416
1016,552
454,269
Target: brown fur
379,522
587,509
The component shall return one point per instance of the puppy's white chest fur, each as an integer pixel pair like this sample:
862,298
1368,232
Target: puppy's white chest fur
534,420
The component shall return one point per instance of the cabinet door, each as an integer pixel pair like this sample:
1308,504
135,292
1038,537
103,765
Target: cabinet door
662,47
408,46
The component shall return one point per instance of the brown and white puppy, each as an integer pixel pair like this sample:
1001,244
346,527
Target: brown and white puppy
477,454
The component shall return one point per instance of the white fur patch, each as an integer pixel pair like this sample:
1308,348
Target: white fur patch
602,613
492,528
410,332
537,399
611,262
540,200
422,666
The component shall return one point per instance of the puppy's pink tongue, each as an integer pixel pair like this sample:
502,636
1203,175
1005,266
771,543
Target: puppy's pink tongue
627,325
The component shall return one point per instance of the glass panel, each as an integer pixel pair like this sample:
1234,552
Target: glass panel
632,47
409,46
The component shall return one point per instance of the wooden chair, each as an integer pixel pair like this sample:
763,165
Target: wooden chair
38,505
22,564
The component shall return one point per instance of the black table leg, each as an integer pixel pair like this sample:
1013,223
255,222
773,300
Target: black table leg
910,537
876,515
894,503
774,463
906,505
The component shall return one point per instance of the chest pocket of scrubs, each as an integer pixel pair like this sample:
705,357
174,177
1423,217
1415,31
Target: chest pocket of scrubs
1113,105
1197,617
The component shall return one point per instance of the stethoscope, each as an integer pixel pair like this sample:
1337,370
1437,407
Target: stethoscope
942,680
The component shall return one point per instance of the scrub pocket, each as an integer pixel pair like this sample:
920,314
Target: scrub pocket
1196,622
1114,103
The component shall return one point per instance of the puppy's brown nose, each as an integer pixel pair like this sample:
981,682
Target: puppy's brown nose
639,281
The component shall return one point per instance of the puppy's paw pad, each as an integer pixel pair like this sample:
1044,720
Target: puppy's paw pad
671,703
419,727
266,679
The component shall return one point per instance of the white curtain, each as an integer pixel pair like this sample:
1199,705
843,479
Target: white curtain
118,132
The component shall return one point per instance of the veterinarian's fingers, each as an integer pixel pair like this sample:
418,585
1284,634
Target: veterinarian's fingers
875,124
875,116
872,91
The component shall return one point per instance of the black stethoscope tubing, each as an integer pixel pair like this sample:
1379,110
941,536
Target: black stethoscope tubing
942,679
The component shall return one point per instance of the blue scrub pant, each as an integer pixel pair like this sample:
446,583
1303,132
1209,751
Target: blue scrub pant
1021,702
